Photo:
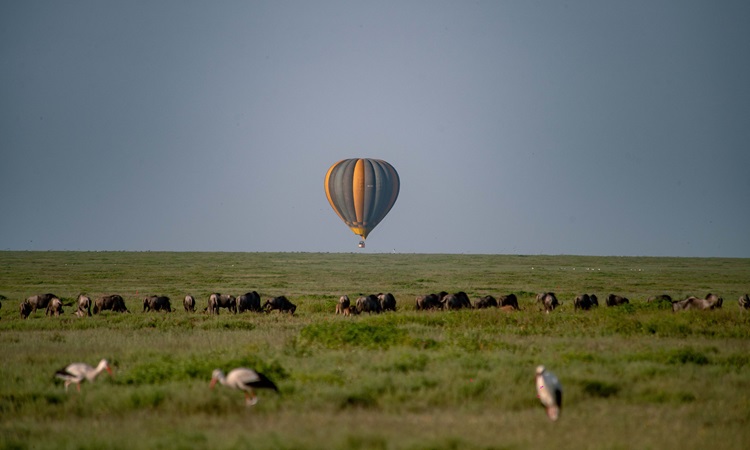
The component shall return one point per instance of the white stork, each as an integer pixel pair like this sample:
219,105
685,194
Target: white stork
77,372
549,391
244,380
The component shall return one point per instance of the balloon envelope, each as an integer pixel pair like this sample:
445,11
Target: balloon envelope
362,192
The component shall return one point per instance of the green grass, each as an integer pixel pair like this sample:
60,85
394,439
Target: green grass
637,376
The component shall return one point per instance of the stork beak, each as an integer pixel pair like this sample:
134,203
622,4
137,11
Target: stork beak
110,371
213,382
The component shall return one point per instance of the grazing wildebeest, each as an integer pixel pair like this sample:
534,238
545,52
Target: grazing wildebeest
425,302
216,301
40,301
715,300
249,302
387,302
710,302
659,298
84,306
487,301
281,303
157,303
369,304
548,301
508,300
616,300
342,307
585,302
113,302
456,301
189,303
25,308
54,307
744,301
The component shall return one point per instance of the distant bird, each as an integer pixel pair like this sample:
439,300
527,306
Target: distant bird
77,372
549,391
245,380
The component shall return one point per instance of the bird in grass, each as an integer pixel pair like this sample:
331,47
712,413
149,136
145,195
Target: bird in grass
549,391
245,380
77,372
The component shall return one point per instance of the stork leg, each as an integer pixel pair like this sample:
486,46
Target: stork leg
250,398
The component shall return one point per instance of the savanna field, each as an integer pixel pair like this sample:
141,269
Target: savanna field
634,376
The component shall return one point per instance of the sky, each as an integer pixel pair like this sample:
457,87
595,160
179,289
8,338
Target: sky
613,128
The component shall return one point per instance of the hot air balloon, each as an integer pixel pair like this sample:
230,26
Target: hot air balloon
362,191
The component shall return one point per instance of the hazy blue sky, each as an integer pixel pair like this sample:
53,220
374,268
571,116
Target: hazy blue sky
522,127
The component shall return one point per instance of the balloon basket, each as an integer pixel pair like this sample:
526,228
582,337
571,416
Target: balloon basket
361,244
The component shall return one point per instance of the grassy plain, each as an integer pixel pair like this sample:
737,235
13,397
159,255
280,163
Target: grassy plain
636,376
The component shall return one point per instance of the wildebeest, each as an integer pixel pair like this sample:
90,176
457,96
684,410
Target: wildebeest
25,308
710,302
83,308
281,303
585,302
508,300
660,298
487,301
216,301
429,301
715,300
456,301
40,301
342,307
157,303
548,301
744,301
369,304
249,302
616,300
189,303
54,307
112,302
387,302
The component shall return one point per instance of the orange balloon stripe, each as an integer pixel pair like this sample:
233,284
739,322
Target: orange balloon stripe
358,190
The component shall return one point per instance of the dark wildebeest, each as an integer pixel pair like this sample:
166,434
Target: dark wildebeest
387,302
616,300
659,298
112,302
249,301
216,301
281,303
710,302
487,301
585,302
25,308
54,307
157,303
40,301
342,307
425,302
369,304
508,300
189,303
744,301
84,306
548,301
456,301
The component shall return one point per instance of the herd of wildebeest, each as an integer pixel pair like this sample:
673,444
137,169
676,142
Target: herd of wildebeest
251,301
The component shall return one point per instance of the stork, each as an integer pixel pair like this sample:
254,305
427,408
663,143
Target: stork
549,391
77,372
245,380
